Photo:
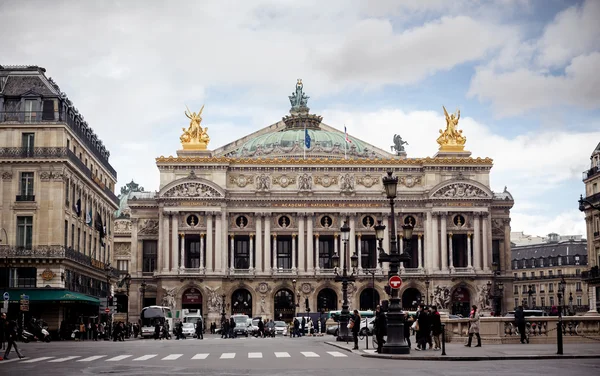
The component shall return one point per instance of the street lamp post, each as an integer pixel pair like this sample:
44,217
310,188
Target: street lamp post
427,282
529,294
127,281
344,278
571,312
372,272
396,344
223,307
559,324
294,303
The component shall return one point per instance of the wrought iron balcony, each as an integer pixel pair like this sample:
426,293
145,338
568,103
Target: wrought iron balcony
22,198
554,276
54,252
587,174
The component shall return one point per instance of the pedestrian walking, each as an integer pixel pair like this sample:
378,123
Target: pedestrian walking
225,328
424,331
381,328
296,327
303,326
436,327
11,335
261,328
520,321
474,327
179,331
2,330
355,328
231,328
82,331
409,321
199,329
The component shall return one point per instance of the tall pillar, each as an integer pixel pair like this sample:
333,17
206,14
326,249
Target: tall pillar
251,266
352,238
259,259
310,253
293,252
268,263
231,252
182,251
274,263
358,237
435,242
174,242
220,248
137,256
386,241
161,234
428,250
201,251
477,241
317,259
444,240
301,242
401,244
485,228
224,233
209,242
165,241
420,250
336,249
451,252
469,260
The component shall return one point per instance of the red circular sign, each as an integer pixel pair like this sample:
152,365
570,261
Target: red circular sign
107,310
395,282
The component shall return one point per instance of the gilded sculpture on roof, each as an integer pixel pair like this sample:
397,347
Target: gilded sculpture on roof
451,139
194,137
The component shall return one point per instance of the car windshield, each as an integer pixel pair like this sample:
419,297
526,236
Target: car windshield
270,324
255,322
280,323
240,319
188,324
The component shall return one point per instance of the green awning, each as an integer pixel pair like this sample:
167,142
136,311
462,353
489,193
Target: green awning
51,296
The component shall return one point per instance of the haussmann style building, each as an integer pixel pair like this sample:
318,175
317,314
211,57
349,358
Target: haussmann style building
251,227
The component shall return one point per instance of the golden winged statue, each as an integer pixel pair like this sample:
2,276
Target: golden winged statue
451,139
194,137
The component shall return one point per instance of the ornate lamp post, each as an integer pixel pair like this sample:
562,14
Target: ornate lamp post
127,281
559,324
427,282
294,298
530,293
571,312
223,307
396,343
344,278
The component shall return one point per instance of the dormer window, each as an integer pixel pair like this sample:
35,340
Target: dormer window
559,260
30,108
576,260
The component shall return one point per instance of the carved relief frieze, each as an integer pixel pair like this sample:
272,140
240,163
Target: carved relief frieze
497,227
122,226
263,183
367,181
122,249
7,175
192,189
410,181
347,183
460,190
241,180
305,182
48,175
326,180
284,180
148,227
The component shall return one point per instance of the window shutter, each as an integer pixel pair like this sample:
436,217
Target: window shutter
48,110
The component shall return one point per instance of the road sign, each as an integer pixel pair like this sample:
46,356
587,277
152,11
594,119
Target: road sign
6,296
395,282
107,310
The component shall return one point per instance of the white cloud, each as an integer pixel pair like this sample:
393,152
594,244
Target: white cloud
571,222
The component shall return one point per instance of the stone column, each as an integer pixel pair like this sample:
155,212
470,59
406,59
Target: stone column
386,241
351,239
336,249
485,237
359,236
477,241
451,252
592,301
428,257
137,259
310,253
444,240
209,242
165,241
301,242
202,251
220,248
231,252
268,262
174,242
224,228
420,250
435,247
259,259
401,247
182,251
274,263
293,252
160,253
251,266
317,260
469,261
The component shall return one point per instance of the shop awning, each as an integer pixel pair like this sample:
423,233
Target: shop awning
51,296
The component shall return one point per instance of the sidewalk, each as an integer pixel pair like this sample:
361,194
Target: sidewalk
458,352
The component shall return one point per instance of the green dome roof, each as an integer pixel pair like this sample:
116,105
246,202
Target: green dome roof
288,138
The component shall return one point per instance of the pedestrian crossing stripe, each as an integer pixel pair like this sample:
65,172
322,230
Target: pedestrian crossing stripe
145,357
172,357
309,354
282,355
35,360
199,356
117,358
60,360
254,355
91,358
337,354
227,356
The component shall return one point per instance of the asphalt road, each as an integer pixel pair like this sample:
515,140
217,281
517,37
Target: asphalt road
251,356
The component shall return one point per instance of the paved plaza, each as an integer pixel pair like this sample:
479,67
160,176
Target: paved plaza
255,356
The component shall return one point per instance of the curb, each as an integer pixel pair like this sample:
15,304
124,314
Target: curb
341,347
480,358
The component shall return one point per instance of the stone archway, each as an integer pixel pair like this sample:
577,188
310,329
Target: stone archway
411,298
460,301
369,299
283,304
191,298
327,300
241,302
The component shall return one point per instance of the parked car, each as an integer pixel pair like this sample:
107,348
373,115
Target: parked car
189,329
281,328
241,325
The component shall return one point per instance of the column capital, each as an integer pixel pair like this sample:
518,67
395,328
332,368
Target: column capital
450,234
469,234
294,236
202,234
358,235
181,235
231,236
274,236
317,236
251,235
419,236
335,235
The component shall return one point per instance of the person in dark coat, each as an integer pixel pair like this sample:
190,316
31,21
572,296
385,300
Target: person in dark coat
231,328
436,326
225,328
380,328
424,329
355,328
408,321
2,330
199,329
261,328
520,321
11,337
303,326
157,330
179,331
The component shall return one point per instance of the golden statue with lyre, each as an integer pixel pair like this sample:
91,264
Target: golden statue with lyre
451,139
194,137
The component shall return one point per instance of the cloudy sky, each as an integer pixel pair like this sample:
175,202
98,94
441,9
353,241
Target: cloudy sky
524,74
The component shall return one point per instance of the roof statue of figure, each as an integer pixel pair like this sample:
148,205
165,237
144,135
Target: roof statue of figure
399,145
299,99
451,139
194,137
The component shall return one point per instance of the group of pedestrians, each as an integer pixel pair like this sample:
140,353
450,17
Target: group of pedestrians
228,328
427,325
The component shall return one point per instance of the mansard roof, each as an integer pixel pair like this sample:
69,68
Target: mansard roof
18,85
564,248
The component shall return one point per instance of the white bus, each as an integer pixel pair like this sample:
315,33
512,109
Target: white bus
150,315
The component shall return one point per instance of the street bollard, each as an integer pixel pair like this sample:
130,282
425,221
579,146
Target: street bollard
559,339
443,339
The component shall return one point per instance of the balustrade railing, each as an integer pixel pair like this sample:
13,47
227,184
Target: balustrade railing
54,252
